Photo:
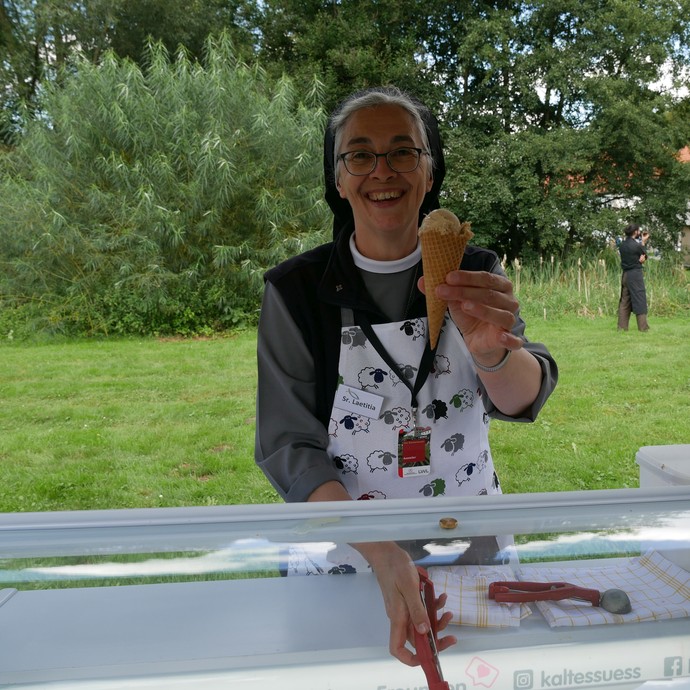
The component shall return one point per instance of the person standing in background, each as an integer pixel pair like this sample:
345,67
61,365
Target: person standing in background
633,297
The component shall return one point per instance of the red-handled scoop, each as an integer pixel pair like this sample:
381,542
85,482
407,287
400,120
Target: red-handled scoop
612,600
425,645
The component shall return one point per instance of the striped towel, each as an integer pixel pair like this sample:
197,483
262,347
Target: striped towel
467,589
658,589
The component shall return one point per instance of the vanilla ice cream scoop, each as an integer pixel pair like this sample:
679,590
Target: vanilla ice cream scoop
443,239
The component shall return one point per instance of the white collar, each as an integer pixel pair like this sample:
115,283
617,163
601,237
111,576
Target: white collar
374,266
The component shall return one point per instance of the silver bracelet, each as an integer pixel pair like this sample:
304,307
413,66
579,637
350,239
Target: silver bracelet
500,365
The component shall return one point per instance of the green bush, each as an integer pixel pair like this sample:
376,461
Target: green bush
153,201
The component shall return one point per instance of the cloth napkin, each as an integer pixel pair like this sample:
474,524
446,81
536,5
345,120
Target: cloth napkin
658,589
467,590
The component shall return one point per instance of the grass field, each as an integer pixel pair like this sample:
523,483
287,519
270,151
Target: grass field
128,423
617,391
91,424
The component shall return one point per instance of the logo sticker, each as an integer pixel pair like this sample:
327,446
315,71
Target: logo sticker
482,673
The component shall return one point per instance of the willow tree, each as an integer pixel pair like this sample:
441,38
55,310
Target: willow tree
152,200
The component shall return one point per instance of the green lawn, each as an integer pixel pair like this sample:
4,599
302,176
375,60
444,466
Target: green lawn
91,424
617,391
128,423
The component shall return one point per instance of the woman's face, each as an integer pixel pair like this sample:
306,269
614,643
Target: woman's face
385,203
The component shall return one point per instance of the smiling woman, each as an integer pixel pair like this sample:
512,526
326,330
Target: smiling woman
350,317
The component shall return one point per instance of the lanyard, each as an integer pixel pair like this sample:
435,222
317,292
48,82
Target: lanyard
425,363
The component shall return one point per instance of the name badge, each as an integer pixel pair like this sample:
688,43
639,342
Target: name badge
359,401
414,452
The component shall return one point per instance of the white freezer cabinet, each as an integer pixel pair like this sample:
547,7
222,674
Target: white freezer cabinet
196,598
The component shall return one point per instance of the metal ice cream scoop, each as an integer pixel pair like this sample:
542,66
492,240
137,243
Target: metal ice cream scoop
615,601
612,600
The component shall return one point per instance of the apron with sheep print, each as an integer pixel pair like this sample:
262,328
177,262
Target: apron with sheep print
365,447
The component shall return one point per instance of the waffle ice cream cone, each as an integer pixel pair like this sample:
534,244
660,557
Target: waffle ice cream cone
443,240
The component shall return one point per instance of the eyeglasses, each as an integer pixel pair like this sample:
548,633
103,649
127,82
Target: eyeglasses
402,160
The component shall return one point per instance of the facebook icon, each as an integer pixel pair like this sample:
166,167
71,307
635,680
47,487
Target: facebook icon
673,666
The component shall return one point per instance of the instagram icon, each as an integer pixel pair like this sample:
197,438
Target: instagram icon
523,680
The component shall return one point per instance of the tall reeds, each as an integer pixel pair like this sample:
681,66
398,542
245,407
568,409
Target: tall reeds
589,285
